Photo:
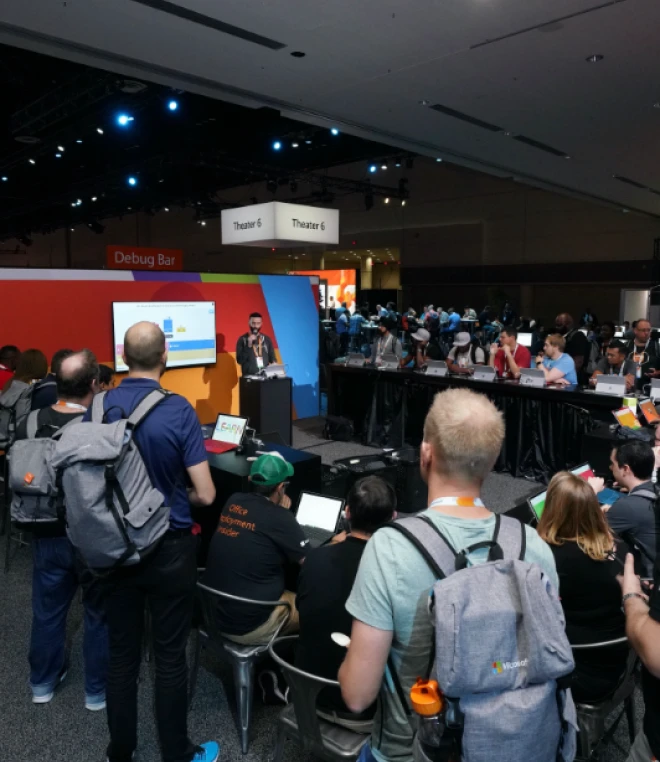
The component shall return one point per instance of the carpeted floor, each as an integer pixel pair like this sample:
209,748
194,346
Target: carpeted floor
63,731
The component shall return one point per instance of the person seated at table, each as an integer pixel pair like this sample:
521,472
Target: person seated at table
615,364
643,351
423,349
386,343
381,312
469,313
509,357
605,336
464,354
256,537
355,328
574,527
558,368
325,583
453,323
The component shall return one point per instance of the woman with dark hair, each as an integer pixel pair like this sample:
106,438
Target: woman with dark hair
574,526
32,366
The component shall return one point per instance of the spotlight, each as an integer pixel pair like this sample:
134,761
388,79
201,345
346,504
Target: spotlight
403,202
387,200
373,168
166,209
397,163
94,198
173,105
78,141
132,181
277,145
383,165
203,223
58,155
79,202
99,130
334,131
295,145
71,229
96,227
32,161
123,120
308,142
438,160
60,148
4,178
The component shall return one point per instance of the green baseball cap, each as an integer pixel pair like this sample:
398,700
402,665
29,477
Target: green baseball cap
270,470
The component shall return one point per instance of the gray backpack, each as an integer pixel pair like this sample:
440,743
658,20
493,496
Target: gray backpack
114,514
15,404
32,478
500,649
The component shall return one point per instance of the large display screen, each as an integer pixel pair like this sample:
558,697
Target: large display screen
189,329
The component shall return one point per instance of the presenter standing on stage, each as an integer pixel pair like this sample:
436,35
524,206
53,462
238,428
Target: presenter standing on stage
254,350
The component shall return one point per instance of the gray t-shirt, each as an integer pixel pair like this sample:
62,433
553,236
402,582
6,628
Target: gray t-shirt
386,346
636,516
468,359
391,592
628,368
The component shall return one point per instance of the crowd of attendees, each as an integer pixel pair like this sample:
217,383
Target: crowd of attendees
369,582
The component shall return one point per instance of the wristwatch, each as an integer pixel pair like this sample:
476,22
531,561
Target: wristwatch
633,595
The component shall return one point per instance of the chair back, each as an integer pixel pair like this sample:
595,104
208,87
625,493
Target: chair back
209,596
304,689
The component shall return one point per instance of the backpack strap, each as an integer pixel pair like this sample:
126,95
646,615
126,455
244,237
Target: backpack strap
146,405
510,535
645,493
97,407
32,425
432,545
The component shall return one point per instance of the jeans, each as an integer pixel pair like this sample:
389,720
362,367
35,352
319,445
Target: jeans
55,579
366,755
165,583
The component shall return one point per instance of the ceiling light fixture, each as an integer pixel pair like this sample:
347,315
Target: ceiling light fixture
166,209
173,105
132,181
4,178
403,202
58,155
387,200
334,131
32,161
383,165
123,120
99,130
60,148
295,145
595,58
277,145
78,141
373,168
94,198
438,160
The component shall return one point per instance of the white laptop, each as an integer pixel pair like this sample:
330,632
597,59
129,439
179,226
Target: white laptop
436,368
388,361
355,360
318,516
532,377
611,385
524,339
484,373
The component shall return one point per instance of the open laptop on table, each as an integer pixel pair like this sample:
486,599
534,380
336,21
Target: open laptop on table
227,435
318,516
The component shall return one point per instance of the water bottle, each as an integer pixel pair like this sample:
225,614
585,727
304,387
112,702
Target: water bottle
429,705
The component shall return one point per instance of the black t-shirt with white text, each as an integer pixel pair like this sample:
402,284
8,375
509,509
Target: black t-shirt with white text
254,541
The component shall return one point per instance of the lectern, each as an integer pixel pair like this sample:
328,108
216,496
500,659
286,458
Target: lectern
267,404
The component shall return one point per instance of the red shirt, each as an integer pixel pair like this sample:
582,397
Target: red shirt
5,375
521,355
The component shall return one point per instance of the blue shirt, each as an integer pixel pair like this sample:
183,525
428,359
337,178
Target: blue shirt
564,363
454,321
342,323
356,324
170,440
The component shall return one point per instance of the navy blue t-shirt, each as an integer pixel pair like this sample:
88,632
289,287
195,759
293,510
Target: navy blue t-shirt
170,440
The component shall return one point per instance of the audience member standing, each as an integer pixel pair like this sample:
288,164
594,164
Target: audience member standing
582,544
32,366
577,344
45,391
172,447
389,600
326,580
56,572
9,355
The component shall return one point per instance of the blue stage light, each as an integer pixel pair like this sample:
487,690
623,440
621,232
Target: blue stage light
132,181
173,105
334,131
123,120
277,145
373,168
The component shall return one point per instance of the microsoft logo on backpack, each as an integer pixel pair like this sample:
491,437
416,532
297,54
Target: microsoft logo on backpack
500,666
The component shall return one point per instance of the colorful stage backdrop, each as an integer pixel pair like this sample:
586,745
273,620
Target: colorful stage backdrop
341,287
52,309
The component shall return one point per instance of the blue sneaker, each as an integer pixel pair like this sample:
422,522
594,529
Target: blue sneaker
41,695
207,752
95,703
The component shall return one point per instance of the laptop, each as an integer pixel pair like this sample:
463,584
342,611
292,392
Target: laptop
227,435
537,503
615,385
274,371
606,496
355,360
436,368
318,516
655,389
524,339
532,377
388,362
484,373
649,412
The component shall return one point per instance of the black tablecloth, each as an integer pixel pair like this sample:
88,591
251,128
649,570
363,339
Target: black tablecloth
544,427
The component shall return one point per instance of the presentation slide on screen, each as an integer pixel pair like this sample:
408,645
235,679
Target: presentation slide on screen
189,329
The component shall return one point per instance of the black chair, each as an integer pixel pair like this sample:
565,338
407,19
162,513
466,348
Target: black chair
325,740
592,717
243,658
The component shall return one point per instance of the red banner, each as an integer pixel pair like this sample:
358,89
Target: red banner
141,258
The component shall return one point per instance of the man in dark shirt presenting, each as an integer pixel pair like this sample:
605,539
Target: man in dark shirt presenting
254,350
577,344
326,581
255,539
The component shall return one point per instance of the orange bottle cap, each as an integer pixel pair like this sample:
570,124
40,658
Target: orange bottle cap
426,697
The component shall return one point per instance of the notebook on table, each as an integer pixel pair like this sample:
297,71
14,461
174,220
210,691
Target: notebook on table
227,435
318,516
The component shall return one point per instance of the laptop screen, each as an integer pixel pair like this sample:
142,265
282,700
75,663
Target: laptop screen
524,339
319,511
229,429
585,471
537,504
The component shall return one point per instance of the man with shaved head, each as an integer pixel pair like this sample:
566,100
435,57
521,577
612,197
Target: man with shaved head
172,447
577,344
56,573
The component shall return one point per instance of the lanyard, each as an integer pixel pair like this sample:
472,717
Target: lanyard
382,347
259,349
461,502
641,354
71,405
620,371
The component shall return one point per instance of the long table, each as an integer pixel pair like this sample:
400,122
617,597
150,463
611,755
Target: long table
544,426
